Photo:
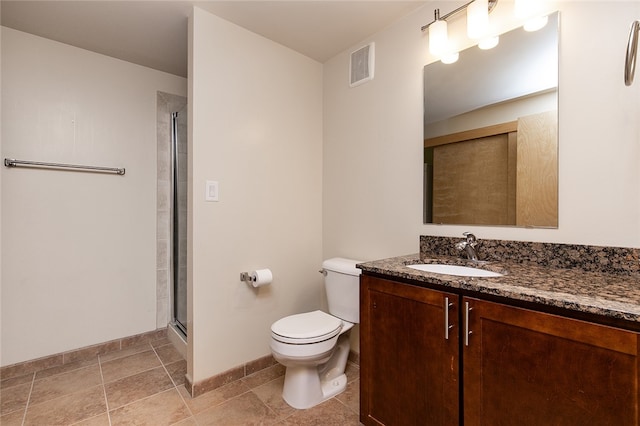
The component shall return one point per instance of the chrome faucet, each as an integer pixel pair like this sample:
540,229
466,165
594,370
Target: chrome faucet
469,245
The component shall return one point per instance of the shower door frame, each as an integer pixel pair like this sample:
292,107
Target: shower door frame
174,225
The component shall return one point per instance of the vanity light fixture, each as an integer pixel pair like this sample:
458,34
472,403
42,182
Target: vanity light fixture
477,28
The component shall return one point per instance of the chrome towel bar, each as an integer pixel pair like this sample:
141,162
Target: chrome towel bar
12,162
632,53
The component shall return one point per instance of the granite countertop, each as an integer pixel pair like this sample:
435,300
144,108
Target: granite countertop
608,294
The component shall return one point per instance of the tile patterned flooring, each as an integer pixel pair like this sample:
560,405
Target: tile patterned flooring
144,385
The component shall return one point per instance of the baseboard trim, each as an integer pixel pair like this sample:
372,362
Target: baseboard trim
240,372
81,354
229,376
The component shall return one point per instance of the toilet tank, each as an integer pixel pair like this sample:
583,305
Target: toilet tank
342,284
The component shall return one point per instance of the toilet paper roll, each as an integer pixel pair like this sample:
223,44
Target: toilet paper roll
261,277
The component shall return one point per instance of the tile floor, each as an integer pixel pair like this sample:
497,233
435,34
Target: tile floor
144,385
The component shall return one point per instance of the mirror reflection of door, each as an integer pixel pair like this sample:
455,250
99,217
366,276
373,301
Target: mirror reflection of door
498,175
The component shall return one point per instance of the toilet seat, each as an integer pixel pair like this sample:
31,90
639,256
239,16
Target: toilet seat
306,328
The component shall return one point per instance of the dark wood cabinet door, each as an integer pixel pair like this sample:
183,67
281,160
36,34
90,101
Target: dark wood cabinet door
528,368
409,368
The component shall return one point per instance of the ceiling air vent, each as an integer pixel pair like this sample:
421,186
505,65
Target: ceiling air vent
361,66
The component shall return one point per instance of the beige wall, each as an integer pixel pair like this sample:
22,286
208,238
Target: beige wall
256,110
1,351
78,249
373,139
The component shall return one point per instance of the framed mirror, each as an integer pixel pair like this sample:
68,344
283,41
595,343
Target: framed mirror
490,133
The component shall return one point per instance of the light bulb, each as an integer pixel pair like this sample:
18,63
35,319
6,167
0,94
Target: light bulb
478,19
536,23
450,58
531,11
438,37
489,43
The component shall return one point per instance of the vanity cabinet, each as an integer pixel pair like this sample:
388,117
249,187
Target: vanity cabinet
502,365
533,368
409,366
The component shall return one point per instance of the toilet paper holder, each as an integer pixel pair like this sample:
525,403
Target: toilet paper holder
257,278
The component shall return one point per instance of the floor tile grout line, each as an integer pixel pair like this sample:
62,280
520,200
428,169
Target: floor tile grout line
116,358
84,420
61,396
186,405
104,390
144,398
26,407
191,415
57,377
134,374
268,407
164,367
343,403
119,358
175,386
52,376
138,372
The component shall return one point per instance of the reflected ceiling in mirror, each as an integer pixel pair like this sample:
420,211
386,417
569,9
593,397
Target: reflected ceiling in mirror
490,133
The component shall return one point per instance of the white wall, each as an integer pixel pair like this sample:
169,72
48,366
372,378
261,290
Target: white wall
78,249
372,169
256,111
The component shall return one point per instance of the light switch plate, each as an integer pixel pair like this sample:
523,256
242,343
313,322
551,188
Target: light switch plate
211,193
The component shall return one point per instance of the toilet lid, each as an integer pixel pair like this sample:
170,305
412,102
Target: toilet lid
306,328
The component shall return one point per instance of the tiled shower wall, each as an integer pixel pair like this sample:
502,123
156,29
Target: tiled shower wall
167,104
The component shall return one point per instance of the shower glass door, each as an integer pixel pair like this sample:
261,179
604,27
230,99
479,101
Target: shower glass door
179,218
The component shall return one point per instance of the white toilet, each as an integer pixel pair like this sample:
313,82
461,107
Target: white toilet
314,346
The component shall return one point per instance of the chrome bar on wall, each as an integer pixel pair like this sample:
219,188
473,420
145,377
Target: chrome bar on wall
12,162
632,53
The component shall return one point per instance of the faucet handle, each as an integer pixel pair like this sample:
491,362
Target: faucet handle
471,239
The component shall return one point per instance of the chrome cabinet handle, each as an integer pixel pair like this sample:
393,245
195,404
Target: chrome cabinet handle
447,327
467,332
632,53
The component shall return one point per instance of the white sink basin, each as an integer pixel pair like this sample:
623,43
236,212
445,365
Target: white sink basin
463,271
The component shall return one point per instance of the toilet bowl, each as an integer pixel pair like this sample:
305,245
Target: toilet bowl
314,346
